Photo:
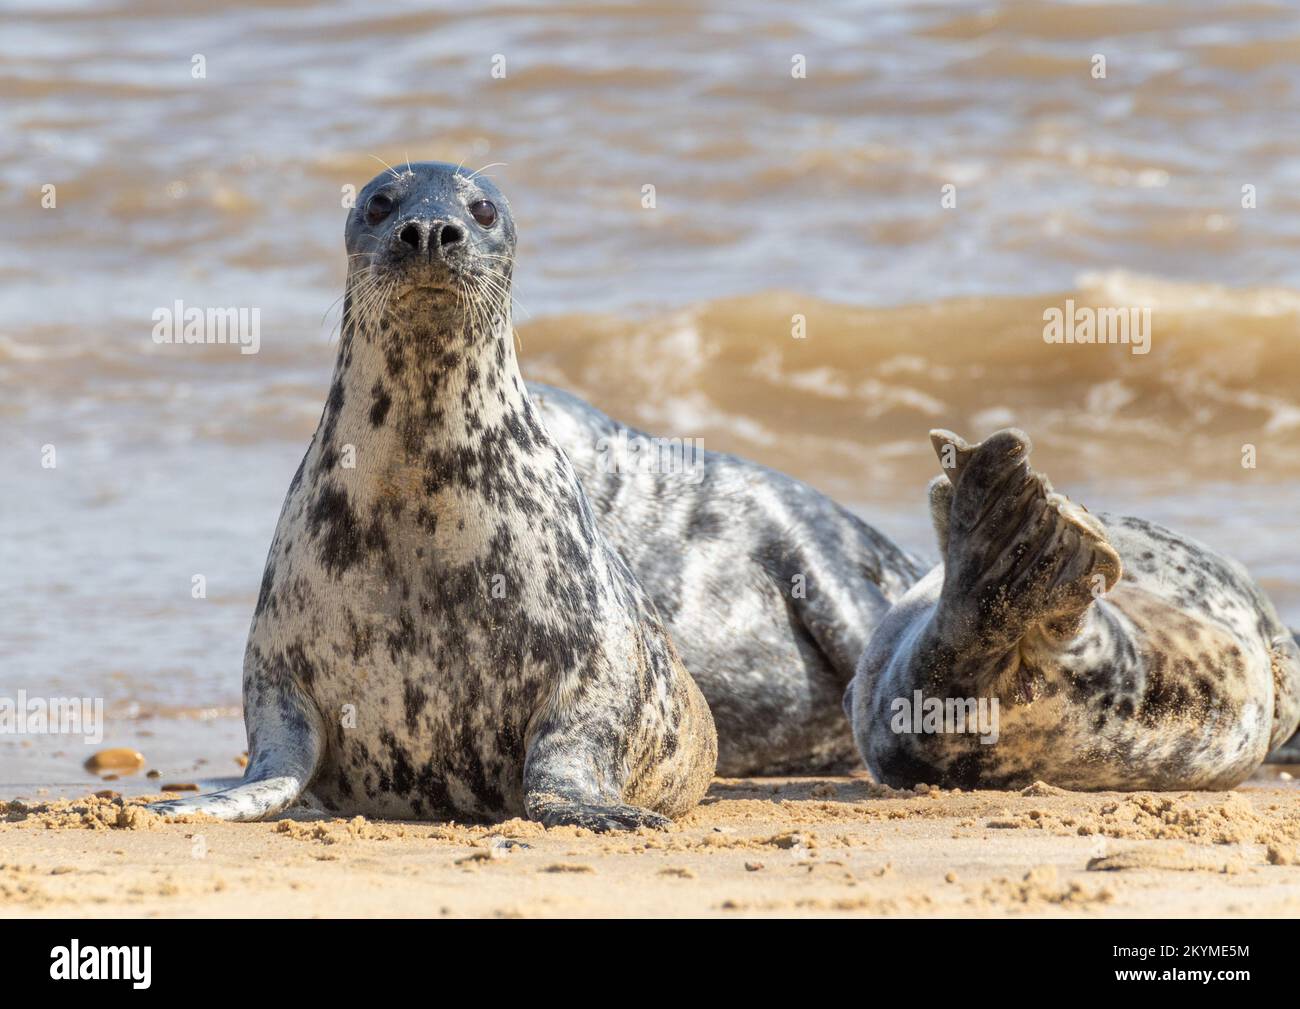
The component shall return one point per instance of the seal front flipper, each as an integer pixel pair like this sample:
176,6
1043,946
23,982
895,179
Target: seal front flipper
285,746
594,761
1019,559
566,784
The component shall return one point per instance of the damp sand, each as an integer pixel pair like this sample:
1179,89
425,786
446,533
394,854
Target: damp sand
755,847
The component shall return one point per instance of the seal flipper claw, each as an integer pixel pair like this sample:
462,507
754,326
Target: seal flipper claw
941,491
953,451
1018,556
601,819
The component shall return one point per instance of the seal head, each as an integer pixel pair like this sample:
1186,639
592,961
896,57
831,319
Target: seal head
433,227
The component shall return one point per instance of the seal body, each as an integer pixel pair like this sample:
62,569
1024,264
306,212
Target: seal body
770,589
1110,652
442,630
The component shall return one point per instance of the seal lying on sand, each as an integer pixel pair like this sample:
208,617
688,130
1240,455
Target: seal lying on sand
770,589
442,629
1182,676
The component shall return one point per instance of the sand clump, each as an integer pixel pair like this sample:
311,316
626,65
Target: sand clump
337,831
1280,854
1041,789
1042,885
1213,819
96,812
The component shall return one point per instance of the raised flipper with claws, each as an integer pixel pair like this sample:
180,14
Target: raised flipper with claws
1092,652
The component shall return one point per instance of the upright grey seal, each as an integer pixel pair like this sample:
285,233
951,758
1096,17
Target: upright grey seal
441,628
1112,653
770,589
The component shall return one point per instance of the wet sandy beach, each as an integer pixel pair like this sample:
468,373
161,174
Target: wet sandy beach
760,847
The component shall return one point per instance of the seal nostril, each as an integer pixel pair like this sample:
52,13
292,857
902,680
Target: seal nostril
450,235
410,235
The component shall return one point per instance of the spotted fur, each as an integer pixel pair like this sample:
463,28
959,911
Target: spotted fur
770,589
442,629
1180,676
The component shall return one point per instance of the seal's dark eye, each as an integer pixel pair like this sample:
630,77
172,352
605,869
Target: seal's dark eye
484,212
379,207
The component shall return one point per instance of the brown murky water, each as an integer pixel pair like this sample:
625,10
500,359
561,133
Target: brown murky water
776,196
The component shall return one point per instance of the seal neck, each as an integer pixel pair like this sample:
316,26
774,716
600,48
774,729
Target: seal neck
412,385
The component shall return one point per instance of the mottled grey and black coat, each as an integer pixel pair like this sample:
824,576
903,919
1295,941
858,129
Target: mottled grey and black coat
770,589
1122,655
442,629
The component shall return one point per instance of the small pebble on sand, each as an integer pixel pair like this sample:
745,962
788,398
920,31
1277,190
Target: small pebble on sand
119,760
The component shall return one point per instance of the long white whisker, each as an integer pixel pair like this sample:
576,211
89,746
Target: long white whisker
386,165
495,164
